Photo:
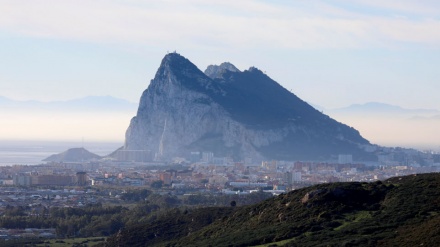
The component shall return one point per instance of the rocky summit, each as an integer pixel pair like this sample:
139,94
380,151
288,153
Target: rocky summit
233,113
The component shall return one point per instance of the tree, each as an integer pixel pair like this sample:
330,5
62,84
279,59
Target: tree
157,184
135,195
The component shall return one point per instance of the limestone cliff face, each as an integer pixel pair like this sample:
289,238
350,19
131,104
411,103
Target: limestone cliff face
185,110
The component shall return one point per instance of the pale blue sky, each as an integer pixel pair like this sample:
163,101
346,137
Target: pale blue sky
329,53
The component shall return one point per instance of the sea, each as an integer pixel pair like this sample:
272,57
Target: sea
32,152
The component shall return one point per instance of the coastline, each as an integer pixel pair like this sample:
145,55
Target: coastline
32,152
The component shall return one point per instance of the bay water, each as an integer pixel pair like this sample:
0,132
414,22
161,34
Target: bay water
32,152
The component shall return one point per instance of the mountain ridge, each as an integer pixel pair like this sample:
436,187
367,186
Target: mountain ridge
240,114
400,211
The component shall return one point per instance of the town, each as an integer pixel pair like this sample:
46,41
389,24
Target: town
38,188
206,173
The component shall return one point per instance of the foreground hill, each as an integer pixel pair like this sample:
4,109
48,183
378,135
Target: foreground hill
402,211
233,114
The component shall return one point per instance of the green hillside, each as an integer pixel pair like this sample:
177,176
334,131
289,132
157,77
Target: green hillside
402,211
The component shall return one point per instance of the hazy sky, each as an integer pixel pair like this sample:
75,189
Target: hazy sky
329,53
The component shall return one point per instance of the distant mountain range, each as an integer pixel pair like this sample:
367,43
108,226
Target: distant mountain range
376,108
391,125
96,118
110,103
102,117
89,103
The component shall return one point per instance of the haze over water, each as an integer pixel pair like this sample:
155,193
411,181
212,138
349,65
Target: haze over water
31,152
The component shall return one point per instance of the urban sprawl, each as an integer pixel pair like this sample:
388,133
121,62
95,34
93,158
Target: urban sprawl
76,184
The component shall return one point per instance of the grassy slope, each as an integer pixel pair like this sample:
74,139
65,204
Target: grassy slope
398,212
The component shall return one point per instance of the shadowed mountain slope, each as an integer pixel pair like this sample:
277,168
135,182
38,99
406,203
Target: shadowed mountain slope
233,113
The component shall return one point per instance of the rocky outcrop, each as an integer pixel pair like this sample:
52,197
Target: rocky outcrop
73,155
216,71
231,113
